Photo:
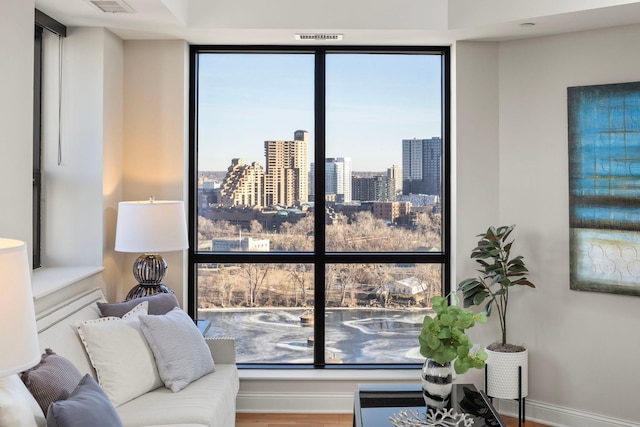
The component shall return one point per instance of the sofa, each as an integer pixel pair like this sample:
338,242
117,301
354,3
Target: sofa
207,401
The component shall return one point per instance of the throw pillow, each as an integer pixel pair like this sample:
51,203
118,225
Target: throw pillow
118,351
181,353
54,378
158,304
18,408
88,405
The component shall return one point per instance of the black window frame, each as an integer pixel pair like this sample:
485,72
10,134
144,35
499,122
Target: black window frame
42,22
319,257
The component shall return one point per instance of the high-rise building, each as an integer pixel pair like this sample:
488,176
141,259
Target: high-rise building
242,186
394,173
286,180
337,178
422,166
375,188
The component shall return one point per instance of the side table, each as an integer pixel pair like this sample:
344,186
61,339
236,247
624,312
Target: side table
374,404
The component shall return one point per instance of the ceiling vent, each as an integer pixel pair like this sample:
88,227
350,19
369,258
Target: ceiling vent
319,37
112,6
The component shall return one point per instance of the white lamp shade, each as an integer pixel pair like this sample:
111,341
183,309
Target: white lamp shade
18,333
151,226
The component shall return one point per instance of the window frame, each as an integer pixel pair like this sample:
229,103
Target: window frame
319,258
43,22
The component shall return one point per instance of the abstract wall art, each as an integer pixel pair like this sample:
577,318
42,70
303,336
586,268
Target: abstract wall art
604,187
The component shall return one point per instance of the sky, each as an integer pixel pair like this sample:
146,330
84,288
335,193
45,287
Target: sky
374,101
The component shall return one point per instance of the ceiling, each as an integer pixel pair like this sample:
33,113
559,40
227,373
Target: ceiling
361,22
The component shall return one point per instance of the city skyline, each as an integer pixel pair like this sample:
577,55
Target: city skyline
373,102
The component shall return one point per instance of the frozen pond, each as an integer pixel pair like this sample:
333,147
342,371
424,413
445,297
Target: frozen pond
352,335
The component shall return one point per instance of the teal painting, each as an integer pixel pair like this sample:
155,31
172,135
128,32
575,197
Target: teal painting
604,187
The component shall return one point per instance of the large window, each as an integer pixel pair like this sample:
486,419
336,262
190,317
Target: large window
319,195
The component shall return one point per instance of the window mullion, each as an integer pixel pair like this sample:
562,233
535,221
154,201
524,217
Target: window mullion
319,210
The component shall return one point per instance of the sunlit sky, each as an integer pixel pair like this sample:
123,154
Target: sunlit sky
373,103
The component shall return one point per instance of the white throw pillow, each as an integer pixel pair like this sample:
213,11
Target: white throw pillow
118,351
18,408
181,353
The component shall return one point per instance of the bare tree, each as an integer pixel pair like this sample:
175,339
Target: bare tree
430,280
300,278
255,275
255,228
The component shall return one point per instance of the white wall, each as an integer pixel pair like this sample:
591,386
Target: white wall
584,346
155,136
112,159
16,119
475,171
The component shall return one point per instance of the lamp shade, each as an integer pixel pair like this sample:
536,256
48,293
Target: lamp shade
18,333
151,226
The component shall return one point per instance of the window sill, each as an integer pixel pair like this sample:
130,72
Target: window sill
47,280
328,374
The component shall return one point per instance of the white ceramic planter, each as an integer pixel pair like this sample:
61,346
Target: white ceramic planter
502,374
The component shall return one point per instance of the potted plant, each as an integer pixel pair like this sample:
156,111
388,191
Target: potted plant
499,272
443,340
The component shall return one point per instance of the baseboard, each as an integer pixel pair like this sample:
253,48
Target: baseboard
342,403
295,403
558,416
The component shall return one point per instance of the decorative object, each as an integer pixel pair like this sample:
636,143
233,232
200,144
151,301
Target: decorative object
180,351
88,405
54,378
150,227
474,403
502,374
431,418
437,381
604,187
18,333
158,304
119,353
443,340
499,272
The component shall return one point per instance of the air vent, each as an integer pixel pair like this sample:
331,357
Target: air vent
112,6
320,37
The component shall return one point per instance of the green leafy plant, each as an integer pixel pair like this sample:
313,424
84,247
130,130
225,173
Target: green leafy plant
498,273
443,337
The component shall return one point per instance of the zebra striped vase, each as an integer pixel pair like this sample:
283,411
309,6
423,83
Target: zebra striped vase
437,382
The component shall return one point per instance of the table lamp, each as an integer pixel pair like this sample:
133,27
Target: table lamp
18,333
150,227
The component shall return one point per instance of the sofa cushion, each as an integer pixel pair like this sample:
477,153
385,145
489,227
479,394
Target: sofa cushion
87,405
53,378
210,401
124,364
179,348
18,408
158,304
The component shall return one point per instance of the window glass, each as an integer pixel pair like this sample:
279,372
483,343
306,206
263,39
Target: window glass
383,169
374,312
267,308
255,141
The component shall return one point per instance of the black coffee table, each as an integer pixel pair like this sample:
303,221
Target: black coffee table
374,404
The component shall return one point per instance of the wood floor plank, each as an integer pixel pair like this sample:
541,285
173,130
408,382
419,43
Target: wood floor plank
323,420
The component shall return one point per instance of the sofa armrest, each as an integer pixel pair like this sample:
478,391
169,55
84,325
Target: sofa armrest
223,349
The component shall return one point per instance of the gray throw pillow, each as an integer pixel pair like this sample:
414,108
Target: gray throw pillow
181,353
158,304
87,406
54,378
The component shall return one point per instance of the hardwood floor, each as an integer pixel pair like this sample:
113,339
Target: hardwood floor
322,420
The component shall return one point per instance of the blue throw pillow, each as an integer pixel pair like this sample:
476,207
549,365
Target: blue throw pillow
88,405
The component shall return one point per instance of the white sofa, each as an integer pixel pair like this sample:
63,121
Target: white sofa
208,401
